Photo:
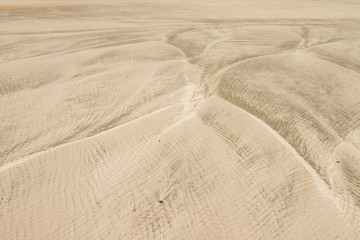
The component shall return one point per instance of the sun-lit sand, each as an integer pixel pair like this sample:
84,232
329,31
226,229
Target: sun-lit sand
179,119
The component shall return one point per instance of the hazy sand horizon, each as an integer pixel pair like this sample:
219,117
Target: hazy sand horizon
179,120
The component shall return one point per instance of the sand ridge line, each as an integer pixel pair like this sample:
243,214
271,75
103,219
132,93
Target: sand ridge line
323,58
324,189
29,157
228,67
322,186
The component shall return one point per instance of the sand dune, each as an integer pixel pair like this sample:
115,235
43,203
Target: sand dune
190,120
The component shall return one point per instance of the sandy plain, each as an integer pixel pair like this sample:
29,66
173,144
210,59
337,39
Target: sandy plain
179,120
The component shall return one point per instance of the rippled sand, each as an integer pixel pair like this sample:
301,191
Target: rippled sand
166,120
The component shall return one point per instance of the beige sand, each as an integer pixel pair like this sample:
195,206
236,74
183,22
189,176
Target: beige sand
179,119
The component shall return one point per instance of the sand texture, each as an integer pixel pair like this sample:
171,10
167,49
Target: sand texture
179,119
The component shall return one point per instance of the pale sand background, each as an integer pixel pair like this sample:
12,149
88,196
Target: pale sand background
191,120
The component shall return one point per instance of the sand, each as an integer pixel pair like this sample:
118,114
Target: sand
179,119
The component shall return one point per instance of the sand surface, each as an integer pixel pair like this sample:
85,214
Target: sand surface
180,119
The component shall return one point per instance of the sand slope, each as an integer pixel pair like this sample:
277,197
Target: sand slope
163,120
